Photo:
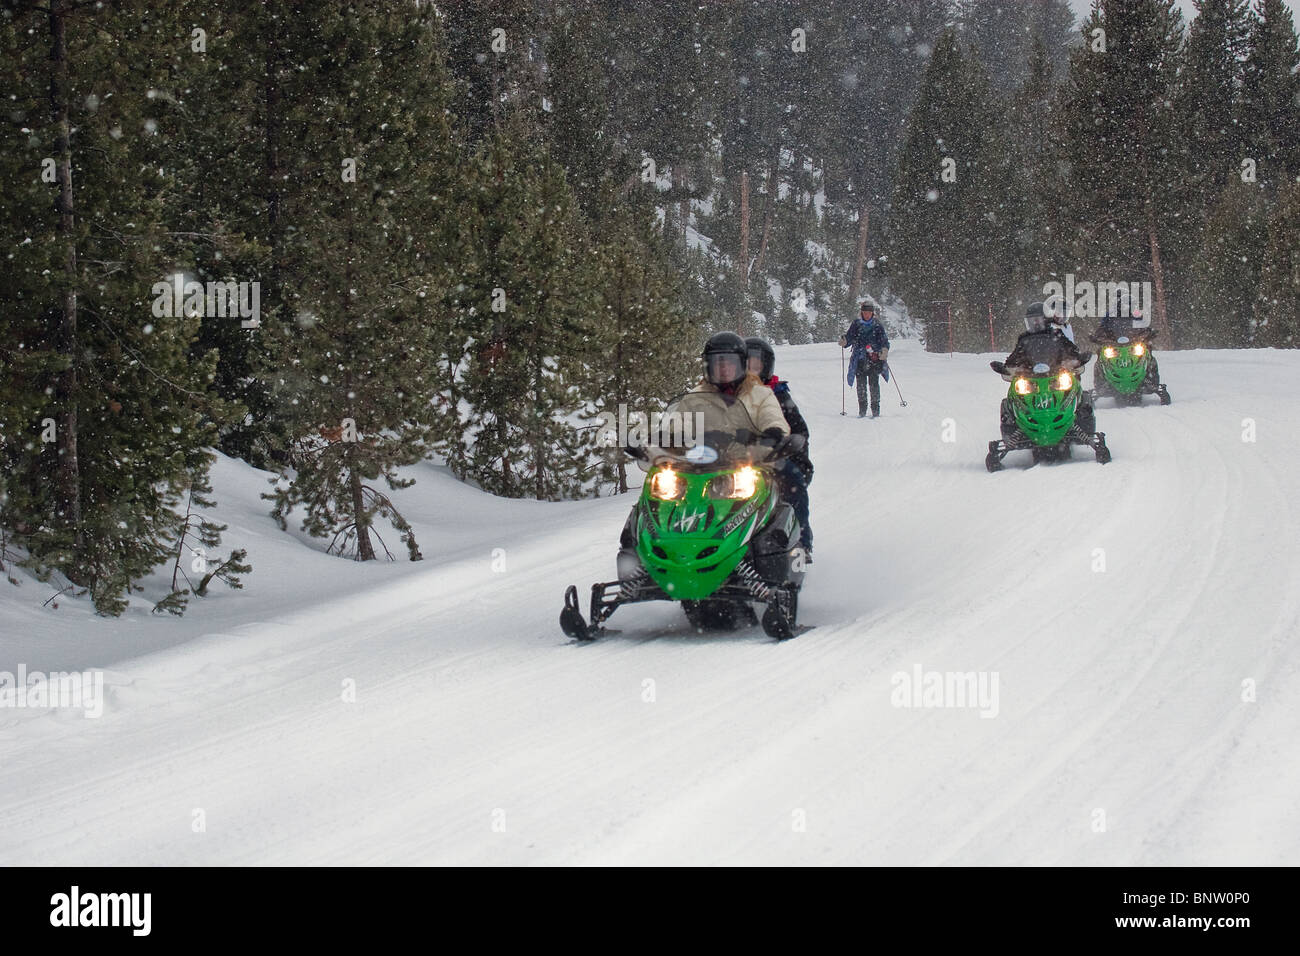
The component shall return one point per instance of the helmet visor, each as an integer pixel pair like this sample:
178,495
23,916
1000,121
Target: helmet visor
723,368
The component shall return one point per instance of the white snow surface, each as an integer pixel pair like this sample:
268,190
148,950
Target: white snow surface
481,735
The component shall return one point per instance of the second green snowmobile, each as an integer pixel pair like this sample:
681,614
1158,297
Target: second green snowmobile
1126,370
1045,410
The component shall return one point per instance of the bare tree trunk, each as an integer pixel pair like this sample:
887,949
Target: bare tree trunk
68,468
539,456
273,175
365,550
864,221
683,200
743,264
496,99
622,391
768,210
1158,275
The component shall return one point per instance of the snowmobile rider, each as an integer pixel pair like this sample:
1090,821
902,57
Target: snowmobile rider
797,470
750,405
870,351
1039,322
1058,315
1043,336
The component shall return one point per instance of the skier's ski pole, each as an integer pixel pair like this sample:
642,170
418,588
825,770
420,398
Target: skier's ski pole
894,378
842,374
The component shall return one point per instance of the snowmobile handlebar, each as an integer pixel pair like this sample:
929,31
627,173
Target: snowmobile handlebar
1010,372
790,444
778,446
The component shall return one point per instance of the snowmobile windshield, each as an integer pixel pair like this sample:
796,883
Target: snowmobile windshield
1121,334
1043,348
707,430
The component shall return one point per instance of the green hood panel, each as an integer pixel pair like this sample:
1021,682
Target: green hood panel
1046,413
691,545
1125,371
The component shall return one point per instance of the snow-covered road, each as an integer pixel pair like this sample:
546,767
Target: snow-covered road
1138,621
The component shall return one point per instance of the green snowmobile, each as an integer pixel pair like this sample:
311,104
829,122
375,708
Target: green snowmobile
1045,410
1126,370
709,531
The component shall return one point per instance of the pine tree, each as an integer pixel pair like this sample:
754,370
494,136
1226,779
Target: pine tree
217,86
1003,35
494,58
949,238
524,289
1224,274
1271,106
585,128
368,217
868,70
1209,97
1277,307
639,346
1124,148
663,93
121,396
1035,194
197,535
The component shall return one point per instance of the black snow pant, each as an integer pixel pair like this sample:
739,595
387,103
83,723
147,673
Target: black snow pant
867,379
794,489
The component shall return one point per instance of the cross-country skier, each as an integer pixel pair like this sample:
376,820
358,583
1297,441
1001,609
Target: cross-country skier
870,347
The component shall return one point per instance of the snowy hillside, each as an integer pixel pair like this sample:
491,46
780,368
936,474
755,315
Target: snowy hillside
1118,615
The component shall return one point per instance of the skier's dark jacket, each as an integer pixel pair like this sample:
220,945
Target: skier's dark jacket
860,336
794,418
1063,348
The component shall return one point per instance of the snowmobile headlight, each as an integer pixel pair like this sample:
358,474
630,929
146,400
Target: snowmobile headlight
1024,387
745,483
739,484
1139,350
1110,351
666,486
1064,381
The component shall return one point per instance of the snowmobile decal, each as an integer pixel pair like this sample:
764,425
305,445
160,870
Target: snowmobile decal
734,523
685,523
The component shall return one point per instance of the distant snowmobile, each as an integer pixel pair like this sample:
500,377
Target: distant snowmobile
1045,411
1126,370
709,531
